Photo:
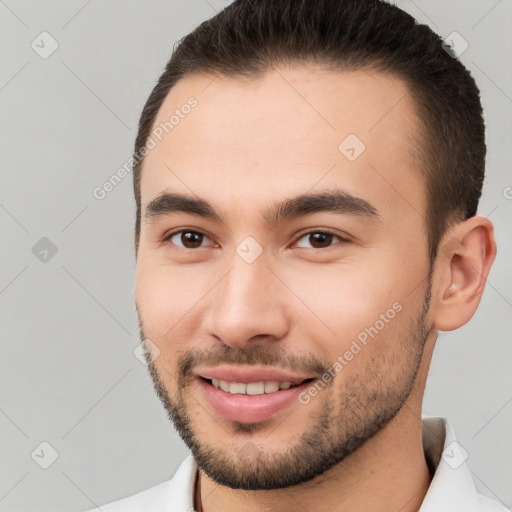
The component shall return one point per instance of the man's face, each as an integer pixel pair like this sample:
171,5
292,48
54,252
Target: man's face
339,295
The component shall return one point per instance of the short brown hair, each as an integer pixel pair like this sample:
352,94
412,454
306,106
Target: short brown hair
248,37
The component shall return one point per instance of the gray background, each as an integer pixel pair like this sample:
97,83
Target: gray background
68,374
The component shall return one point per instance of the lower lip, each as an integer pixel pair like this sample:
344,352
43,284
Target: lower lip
249,408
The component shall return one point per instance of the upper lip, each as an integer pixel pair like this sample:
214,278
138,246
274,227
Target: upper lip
246,374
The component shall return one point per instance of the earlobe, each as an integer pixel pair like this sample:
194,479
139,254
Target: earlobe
465,256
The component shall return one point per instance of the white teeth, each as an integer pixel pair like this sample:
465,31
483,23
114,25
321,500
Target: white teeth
252,388
255,388
271,386
237,388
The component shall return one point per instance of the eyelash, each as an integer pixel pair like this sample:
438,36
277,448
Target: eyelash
314,231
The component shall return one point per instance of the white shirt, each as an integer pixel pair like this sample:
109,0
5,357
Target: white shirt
451,489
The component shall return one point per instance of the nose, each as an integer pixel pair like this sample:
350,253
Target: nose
248,304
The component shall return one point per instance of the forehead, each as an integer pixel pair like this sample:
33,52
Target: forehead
248,142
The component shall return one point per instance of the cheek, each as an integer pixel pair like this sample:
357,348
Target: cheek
165,301
166,295
346,300
367,323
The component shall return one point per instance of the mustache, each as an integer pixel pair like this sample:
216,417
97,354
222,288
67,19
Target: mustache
261,355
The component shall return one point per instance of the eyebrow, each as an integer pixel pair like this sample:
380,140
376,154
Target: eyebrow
335,201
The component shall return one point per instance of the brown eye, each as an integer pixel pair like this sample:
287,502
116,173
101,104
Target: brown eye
186,239
318,239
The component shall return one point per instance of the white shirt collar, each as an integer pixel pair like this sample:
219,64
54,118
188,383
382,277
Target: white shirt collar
452,487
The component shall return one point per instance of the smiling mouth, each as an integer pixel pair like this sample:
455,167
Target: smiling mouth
253,388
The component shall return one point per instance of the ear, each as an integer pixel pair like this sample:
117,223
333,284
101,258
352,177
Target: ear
464,260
